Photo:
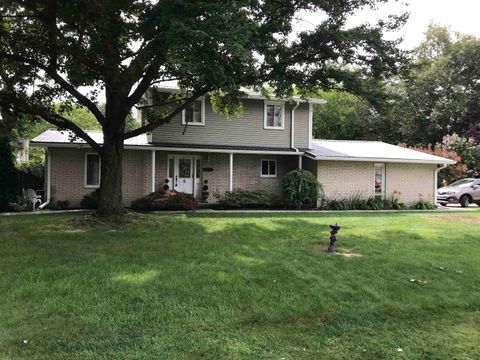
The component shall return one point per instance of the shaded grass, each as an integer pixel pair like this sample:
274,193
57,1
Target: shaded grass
240,286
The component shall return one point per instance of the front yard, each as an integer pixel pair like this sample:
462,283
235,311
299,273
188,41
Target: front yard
241,287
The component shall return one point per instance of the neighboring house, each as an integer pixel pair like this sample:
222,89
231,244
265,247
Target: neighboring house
254,152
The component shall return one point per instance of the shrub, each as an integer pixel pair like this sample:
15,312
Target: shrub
165,200
301,188
247,199
422,205
90,201
8,176
357,202
36,163
58,204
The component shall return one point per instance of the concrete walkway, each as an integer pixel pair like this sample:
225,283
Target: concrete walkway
43,212
212,211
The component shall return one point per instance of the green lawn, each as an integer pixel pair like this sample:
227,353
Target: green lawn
241,287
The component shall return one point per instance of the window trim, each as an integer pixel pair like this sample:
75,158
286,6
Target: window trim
85,185
384,178
261,168
274,103
202,114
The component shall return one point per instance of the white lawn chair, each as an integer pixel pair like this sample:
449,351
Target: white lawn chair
30,196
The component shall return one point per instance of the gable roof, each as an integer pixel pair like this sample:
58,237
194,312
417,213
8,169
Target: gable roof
53,136
373,151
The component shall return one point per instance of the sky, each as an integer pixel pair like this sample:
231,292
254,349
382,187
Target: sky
458,15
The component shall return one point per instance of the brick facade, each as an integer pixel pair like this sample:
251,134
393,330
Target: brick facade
341,179
67,171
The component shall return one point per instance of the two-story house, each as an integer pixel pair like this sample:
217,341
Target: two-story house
255,151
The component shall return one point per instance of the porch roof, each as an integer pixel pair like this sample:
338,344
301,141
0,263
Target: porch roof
372,151
65,138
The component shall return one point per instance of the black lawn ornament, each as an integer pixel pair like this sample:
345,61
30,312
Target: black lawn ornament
166,186
333,237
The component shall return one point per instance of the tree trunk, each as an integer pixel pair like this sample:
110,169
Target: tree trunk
110,200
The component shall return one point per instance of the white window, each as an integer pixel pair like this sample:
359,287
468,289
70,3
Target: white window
379,179
194,114
269,168
92,170
274,115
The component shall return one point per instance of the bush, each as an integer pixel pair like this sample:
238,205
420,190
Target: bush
8,176
165,200
36,163
301,188
422,205
357,202
247,199
58,204
90,201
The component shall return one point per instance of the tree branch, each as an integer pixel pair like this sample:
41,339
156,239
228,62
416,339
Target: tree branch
58,120
145,83
82,99
153,125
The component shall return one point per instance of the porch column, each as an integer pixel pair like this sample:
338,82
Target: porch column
153,171
300,158
231,172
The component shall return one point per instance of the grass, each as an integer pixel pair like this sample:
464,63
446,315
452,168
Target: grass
244,286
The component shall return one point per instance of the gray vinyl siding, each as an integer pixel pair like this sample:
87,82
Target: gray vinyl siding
301,126
245,131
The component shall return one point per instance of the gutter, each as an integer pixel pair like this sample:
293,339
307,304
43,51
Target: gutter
165,148
379,159
48,176
435,183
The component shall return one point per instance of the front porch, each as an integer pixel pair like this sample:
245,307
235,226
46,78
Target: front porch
190,172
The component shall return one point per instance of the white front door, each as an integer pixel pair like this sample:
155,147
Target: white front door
184,174
183,180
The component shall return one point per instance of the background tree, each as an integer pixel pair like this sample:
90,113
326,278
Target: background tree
53,50
441,92
349,117
468,150
8,176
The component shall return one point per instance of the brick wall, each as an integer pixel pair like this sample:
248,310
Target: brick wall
67,171
341,179
414,181
247,172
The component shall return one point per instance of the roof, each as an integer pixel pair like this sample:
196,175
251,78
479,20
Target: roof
65,138
346,150
53,136
250,94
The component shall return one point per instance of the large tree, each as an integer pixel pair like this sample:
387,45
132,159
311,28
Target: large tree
68,50
440,95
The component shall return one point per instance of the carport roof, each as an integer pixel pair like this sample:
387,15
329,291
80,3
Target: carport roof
372,151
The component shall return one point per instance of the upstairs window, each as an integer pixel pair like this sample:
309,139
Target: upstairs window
269,168
274,115
92,170
194,114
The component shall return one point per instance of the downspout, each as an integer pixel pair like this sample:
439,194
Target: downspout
435,185
48,176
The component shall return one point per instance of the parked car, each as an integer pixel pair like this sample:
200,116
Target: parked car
464,192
